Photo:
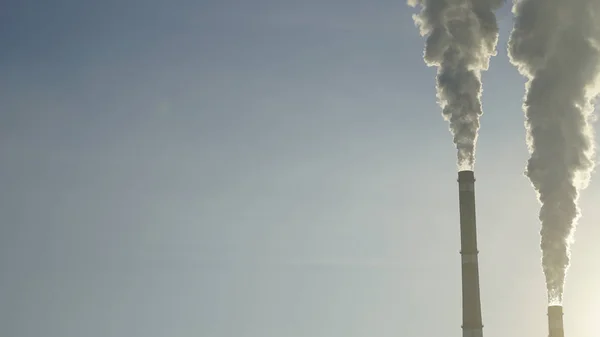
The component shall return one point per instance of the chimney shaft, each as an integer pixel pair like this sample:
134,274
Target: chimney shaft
471,302
555,321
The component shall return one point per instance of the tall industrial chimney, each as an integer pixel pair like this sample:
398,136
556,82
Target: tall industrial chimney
471,303
555,321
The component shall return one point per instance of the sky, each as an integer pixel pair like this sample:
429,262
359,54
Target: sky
257,168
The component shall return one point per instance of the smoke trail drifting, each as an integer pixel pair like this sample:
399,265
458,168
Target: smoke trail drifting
555,45
461,37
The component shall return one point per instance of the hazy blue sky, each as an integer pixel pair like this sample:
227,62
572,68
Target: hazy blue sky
266,168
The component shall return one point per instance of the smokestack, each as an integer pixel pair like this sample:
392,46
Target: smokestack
555,321
471,302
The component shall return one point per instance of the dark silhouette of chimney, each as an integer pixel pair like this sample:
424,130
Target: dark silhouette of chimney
555,321
471,303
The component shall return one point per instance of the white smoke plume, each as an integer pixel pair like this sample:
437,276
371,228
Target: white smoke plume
461,37
555,44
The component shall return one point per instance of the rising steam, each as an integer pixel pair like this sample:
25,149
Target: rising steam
555,45
461,37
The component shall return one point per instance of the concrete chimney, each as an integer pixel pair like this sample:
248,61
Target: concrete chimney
471,303
555,321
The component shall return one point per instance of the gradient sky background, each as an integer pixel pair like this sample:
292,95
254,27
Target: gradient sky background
266,168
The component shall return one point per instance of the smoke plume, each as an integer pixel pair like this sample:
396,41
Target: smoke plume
461,37
555,44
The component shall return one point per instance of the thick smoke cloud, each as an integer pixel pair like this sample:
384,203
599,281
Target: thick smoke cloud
555,45
461,37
